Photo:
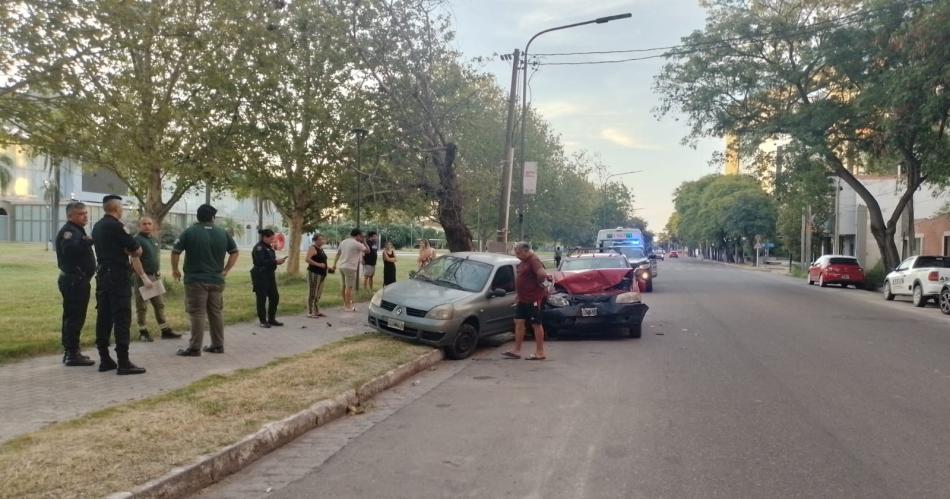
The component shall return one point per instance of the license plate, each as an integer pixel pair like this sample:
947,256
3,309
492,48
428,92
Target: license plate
845,276
588,312
397,325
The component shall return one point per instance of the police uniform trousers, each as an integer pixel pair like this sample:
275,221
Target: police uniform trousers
265,290
114,308
75,289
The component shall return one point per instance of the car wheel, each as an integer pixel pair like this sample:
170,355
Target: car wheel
821,280
919,300
466,340
650,286
944,301
808,278
887,291
635,330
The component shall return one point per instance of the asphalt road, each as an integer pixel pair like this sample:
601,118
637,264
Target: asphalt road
745,384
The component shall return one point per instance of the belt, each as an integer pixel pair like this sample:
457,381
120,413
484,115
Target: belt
81,275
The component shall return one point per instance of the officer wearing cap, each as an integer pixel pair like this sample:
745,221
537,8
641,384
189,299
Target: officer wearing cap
77,265
114,246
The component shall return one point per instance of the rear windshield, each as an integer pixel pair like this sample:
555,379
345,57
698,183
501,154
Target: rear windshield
842,261
932,261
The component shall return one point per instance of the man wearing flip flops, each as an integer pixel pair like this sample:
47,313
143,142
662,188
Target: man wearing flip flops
529,285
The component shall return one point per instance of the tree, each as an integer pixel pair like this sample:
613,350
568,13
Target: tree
6,173
143,89
840,78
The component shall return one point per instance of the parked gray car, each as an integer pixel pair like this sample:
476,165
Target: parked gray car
450,303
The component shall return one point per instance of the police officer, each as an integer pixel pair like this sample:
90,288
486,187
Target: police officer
264,279
77,265
114,246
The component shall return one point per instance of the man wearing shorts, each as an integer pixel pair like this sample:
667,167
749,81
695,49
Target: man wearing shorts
349,255
369,259
529,285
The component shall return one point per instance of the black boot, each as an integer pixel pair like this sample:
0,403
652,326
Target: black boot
105,361
168,334
74,359
126,366
144,336
275,322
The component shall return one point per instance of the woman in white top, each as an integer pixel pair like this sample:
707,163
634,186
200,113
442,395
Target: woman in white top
426,253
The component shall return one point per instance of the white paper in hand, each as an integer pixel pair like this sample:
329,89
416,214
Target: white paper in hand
158,288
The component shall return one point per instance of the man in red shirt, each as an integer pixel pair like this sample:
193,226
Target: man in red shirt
531,292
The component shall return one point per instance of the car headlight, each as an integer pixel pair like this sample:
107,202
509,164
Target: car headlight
442,312
558,300
631,297
377,300
645,274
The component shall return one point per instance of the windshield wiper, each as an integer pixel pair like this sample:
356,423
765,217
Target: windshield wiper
449,283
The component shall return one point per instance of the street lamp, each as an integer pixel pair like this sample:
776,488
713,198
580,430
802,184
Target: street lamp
360,134
604,216
524,101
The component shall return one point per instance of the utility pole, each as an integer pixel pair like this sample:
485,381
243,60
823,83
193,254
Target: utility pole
835,244
504,204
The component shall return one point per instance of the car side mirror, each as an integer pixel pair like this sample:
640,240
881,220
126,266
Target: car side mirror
652,256
497,293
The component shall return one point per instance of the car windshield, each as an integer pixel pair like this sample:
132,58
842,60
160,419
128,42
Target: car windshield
932,261
633,253
593,263
842,261
458,273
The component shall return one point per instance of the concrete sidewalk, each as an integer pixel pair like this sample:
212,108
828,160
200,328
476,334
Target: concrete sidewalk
39,391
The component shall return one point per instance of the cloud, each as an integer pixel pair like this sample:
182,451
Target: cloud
559,109
622,139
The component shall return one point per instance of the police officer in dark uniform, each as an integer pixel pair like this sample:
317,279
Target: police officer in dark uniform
264,279
114,246
77,265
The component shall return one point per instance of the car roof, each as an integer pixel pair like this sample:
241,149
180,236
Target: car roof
595,255
485,257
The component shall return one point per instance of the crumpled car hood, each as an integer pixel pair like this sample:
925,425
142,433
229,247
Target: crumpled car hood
592,281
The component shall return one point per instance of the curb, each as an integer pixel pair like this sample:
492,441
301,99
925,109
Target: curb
211,468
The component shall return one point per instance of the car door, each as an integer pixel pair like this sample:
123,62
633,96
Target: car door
815,270
901,283
499,311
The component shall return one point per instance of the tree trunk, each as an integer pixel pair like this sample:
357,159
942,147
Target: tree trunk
293,250
457,234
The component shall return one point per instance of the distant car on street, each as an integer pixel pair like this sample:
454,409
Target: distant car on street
836,269
674,254
921,277
450,303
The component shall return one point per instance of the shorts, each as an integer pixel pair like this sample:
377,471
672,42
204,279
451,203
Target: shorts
529,312
369,270
349,278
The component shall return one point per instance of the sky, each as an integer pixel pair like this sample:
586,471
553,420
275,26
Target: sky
605,109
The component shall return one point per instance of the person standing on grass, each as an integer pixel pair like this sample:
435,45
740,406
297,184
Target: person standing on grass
426,253
77,265
150,263
389,264
530,290
316,275
557,257
114,247
204,245
264,279
369,260
351,250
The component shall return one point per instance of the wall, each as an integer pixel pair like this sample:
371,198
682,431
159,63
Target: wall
933,231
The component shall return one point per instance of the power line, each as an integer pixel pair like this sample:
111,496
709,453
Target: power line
681,49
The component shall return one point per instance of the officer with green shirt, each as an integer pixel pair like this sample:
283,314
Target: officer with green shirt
204,245
150,263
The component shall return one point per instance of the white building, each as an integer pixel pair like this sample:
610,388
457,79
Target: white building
25,211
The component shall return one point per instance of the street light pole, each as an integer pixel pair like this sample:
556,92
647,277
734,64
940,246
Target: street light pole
524,100
603,220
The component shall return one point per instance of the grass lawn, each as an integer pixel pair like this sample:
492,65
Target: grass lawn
31,307
126,445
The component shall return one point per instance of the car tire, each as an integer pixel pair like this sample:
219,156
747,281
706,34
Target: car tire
944,301
635,330
649,288
887,291
918,299
821,281
464,344
808,278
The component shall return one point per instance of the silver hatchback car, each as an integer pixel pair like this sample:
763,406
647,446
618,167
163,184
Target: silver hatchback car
450,303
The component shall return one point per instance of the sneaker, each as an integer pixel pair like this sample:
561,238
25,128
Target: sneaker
76,359
107,364
275,323
265,325
188,352
212,349
144,336
129,368
168,334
